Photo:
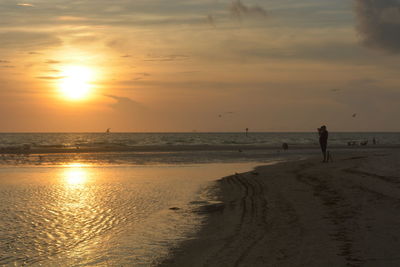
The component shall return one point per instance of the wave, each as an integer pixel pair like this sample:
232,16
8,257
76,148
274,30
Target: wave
45,143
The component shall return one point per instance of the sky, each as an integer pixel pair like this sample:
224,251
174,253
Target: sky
199,65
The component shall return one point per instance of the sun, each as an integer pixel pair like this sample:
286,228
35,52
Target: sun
75,83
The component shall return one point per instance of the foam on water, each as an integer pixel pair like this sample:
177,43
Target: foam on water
45,149
101,140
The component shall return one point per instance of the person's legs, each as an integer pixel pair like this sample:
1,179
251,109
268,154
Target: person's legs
323,148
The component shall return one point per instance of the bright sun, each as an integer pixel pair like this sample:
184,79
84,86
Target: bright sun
75,83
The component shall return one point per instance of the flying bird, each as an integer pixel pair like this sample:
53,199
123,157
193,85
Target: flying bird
354,115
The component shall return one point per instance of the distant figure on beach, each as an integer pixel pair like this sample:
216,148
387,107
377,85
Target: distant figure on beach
351,143
285,146
323,141
374,141
247,131
364,143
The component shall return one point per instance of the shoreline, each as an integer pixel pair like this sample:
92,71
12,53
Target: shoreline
178,148
303,213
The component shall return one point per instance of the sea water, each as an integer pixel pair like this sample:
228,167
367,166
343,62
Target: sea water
65,140
77,215
119,207
167,148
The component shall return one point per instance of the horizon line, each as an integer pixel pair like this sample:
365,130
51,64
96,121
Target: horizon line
178,132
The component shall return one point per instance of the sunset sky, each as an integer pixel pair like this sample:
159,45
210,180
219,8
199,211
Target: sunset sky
204,65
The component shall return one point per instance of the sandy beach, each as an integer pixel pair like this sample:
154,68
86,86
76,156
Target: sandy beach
304,213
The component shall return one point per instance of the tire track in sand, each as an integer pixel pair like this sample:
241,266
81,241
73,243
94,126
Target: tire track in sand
253,210
341,213
256,229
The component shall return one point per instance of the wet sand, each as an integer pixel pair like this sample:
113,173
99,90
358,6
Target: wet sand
304,213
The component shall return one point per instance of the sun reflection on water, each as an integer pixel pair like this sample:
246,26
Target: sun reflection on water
75,174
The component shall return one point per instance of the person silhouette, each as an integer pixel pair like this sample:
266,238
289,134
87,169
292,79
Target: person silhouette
285,146
323,141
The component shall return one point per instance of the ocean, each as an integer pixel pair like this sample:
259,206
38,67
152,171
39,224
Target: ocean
126,199
72,140
166,148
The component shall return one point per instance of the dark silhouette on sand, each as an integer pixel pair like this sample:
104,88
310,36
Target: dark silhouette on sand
323,141
364,143
285,146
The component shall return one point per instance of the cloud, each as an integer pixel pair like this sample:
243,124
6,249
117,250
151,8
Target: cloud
141,75
25,5
238,10
125,104
50,77
71,18
25,40
51,61
173,57
379,23
4,61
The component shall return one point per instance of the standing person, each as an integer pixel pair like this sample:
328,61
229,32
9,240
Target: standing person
323,141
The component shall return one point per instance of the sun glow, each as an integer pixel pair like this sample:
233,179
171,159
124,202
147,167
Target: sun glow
75,174
75,83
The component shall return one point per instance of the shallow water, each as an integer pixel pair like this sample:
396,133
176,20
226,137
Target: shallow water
112,208
80,215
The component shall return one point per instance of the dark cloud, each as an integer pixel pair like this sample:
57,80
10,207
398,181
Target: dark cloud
51,61
173,57
125,104
141,75
4,61
379,23
21,40
115,13
50,77
239,10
